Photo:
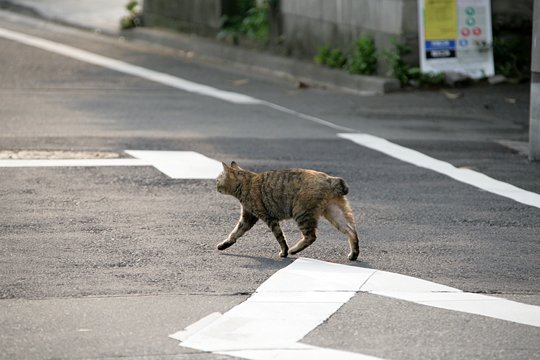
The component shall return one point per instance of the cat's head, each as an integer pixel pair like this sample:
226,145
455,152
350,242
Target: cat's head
227,182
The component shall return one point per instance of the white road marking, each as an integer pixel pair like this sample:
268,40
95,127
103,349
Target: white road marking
306,117
73,162
466,176
175,164
309,291
287,306
126,68
180,164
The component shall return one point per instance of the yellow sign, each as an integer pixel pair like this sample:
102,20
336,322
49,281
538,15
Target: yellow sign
440,19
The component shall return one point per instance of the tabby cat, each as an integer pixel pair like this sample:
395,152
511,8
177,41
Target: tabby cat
303,195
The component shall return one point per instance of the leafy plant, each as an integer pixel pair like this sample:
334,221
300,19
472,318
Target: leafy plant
362,60
512,57
432,78
364,57
404,72
395,59
255,24
248,20
322,55
336,59
332,58
133,18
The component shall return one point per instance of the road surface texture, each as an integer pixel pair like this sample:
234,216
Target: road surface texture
106,262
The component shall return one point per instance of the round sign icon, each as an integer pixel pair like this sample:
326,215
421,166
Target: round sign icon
477,31
465,32
463,42
470,21
469,10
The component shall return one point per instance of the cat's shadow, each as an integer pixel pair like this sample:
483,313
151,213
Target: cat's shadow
282,262
266,262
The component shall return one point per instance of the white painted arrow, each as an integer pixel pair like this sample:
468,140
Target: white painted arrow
175,164
298,298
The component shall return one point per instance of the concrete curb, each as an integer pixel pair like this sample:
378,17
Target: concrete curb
265,63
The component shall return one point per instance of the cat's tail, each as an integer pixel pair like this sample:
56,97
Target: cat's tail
338,186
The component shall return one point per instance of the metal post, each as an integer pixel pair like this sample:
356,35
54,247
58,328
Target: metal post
534,124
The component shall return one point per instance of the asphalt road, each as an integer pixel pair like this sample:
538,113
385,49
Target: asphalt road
105,262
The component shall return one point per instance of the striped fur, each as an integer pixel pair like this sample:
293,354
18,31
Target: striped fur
299,194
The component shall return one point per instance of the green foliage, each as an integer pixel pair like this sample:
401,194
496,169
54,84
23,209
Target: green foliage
432,78
322,55
133,18
399,69
332,58
248,20
255,24
404,72
512,56
363,60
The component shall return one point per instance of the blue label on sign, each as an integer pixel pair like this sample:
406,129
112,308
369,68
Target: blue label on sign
440,45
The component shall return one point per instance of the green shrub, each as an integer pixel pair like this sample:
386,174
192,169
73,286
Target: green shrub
322,55
247,20
512,57
255,24
332,58
133,18
364,57
404,72
399,69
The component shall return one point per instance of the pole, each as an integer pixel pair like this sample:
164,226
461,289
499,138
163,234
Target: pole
534,124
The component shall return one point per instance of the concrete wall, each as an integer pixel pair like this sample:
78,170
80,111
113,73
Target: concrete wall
303,26
192,16
310,24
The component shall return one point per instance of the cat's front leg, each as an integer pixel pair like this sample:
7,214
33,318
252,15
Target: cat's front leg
246,222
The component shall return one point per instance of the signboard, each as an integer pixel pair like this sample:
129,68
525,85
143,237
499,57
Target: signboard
455,36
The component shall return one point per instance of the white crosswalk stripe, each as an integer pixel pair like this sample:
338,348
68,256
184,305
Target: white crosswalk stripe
309,291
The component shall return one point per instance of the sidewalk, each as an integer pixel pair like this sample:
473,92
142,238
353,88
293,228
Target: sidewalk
95,15
103,16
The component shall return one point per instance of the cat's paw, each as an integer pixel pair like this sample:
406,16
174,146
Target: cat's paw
353,256
225,244
283,253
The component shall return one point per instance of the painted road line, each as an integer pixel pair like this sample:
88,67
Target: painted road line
466,176
428,293
311,118
126,68
175,164
73,162
180,164
309,291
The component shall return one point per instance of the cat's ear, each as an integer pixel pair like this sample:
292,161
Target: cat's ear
234,165
225,166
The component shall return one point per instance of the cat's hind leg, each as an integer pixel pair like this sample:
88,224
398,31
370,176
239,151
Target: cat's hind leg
273,224
339,213
246,222
308,226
